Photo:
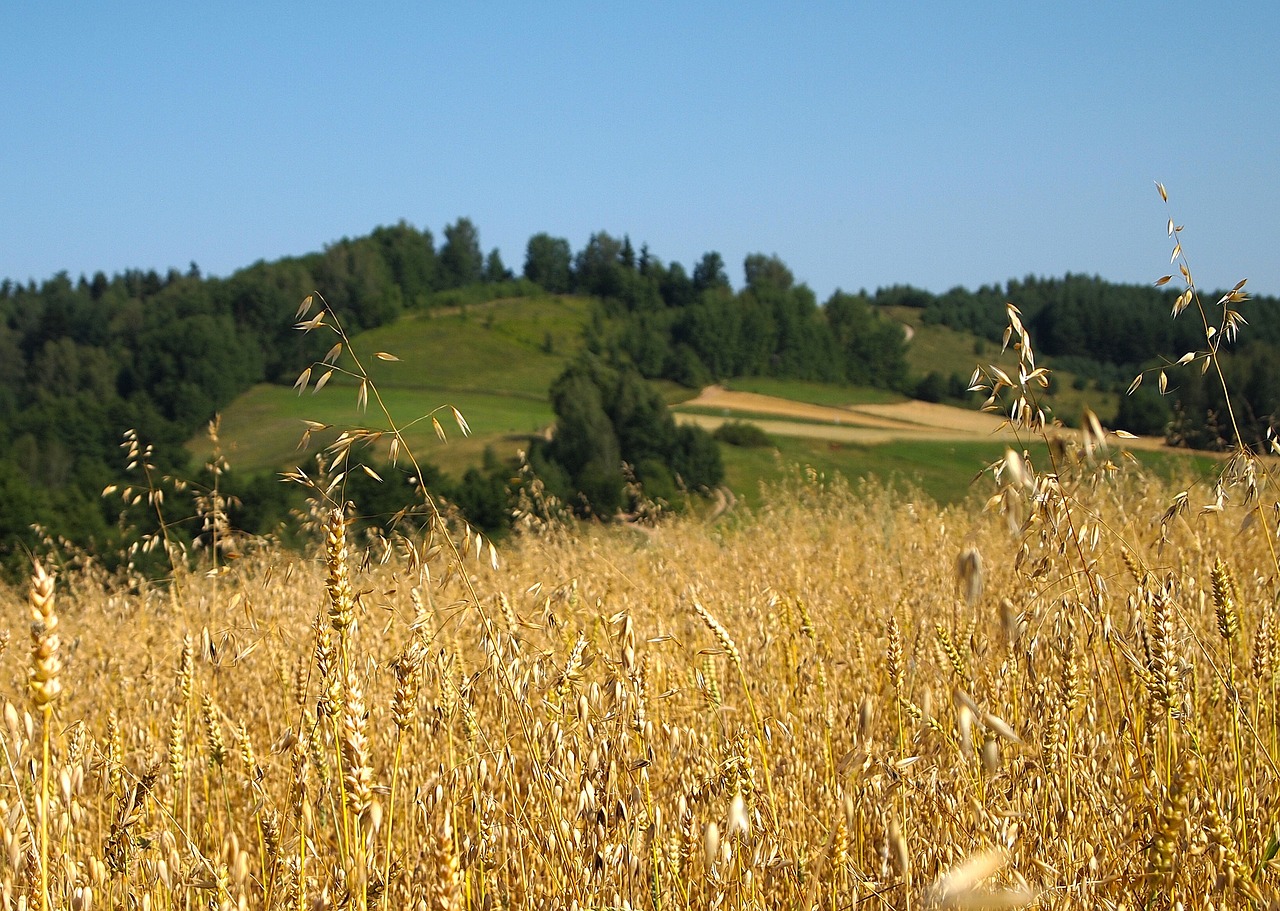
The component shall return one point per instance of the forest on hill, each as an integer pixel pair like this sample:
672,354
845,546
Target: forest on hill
82,360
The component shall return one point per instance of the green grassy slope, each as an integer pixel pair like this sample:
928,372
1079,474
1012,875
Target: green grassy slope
513,347
947,471
948,351
941,470
493,362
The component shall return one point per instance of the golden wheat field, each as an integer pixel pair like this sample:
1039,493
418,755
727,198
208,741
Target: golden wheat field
848,699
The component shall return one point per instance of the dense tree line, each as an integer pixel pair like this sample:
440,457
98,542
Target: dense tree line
694,328
607,416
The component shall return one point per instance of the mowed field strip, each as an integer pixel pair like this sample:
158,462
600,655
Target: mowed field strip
867,424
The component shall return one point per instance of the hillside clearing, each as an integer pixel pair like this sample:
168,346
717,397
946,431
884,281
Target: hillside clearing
866,424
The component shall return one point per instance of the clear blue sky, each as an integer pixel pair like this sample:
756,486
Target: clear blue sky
865,144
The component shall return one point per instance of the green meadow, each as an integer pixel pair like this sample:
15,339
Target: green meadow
493,362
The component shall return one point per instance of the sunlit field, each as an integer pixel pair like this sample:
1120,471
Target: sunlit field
842,697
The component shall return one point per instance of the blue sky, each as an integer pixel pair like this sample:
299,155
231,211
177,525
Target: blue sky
865,144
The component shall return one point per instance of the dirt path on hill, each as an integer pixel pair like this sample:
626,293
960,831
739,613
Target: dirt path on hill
866,424
718,397
844,433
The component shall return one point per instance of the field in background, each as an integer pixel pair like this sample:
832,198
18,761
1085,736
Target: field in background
495,362
933,448
814,393
262,430
948,351
940,348
946,471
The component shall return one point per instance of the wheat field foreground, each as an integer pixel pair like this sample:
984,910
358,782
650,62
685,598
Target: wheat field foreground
848,699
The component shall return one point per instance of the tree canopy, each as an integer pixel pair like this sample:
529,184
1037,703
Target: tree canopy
607,415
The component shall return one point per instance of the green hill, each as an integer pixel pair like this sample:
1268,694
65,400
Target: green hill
493,362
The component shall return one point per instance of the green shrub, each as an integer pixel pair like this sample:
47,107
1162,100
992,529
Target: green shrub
743,434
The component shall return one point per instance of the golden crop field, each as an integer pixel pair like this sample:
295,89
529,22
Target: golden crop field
847,699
